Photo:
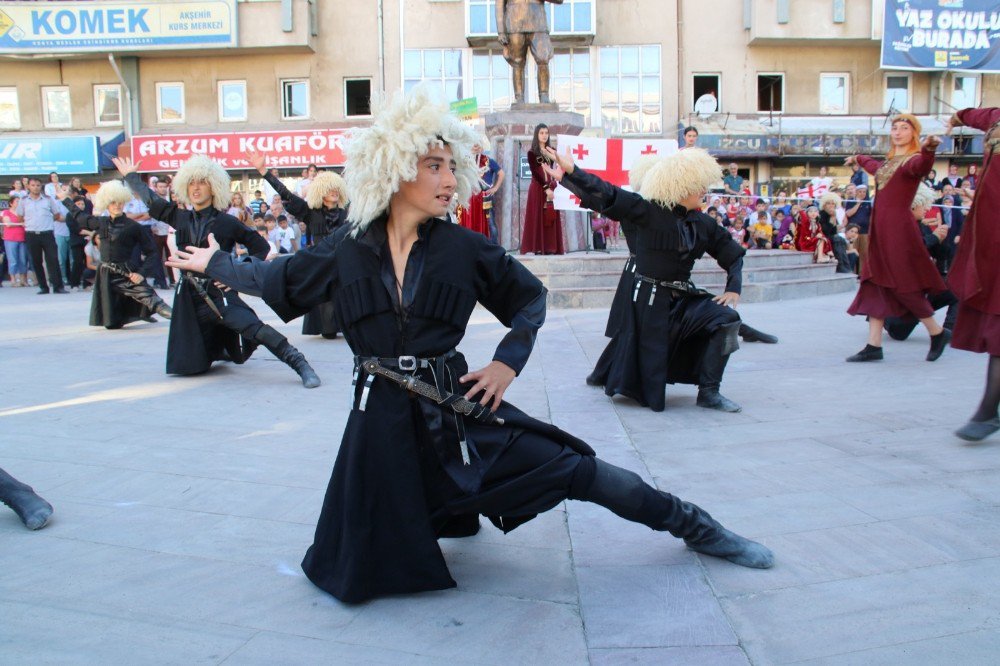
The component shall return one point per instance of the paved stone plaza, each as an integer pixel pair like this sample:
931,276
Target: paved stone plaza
184,505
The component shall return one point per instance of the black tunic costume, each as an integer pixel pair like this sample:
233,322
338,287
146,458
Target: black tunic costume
321,223
199,334
399,481
671,333
116,301
623,294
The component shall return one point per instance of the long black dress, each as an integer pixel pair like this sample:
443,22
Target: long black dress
199,334
665,334
623,294
399,482
321,223
116,301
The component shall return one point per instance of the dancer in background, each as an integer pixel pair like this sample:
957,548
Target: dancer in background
975,274
899,274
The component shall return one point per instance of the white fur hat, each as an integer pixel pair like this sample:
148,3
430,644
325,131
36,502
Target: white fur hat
384,155
112,191
323,184
640,167
202,167
675,177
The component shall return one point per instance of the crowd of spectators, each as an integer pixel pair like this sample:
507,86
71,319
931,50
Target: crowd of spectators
42,248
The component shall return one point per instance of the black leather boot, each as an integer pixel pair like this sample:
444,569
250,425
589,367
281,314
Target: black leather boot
164,310
628,496
713,365
33,511
278,345
751,334
938,344
869,353
975,431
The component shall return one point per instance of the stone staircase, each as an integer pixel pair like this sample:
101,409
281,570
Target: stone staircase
589,280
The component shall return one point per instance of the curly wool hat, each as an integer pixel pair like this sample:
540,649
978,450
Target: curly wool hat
112,191
675,177
323,184
384,155
924,196
202,167
640,167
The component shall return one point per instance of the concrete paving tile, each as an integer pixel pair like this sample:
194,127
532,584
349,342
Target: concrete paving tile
867,613
466,627
722,655
910,498
600,538
650,606
29,637
268,648
973,647
546,530
541,574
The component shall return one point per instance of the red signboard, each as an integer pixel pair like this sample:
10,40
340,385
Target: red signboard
284,149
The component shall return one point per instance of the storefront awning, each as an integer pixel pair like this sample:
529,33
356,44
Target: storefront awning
752,135
67,152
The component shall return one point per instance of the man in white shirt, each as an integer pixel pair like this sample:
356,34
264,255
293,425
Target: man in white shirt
283,236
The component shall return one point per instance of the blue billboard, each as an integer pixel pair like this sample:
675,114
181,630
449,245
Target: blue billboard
961,35
23,156
142,25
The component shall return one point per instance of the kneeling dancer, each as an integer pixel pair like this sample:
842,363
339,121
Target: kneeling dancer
672,332
430,445
975,275
211,323
121,294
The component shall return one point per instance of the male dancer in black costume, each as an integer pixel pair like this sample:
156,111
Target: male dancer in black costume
211,323
673,332
323,210
121,293
411,468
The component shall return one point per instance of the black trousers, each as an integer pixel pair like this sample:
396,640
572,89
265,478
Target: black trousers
77,262
45,257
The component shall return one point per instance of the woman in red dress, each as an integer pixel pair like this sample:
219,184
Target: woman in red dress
975,275
899,273
475,216
542,222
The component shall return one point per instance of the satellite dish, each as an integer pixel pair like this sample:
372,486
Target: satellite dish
706,105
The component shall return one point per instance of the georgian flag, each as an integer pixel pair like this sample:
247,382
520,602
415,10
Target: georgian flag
609,159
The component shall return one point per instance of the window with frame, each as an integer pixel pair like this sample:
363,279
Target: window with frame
10,112
569,73
706,93
442,67
232,101
771,92
964,91
107,104
294,99
482,17
492,85
56,108
170,102
897,93
571,17
834,93
357,97
630,89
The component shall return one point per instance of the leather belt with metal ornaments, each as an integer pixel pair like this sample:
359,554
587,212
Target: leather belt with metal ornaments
683,287
198,284
374,366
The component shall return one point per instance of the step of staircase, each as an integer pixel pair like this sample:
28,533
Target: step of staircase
589,280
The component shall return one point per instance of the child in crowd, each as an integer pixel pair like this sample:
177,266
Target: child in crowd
762,231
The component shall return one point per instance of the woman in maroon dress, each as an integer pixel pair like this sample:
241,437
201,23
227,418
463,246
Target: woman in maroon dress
542,222
899,273
975,275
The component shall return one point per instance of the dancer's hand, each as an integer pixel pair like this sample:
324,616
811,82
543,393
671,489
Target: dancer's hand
563,160
554,171
493,380
256,160
941,232
125,165
194,259
62,192
851,160
730,298
932,142
135,278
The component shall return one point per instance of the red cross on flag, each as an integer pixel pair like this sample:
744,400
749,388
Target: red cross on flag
608,159
812,191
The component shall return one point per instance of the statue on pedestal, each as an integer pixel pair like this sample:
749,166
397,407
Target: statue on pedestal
521,24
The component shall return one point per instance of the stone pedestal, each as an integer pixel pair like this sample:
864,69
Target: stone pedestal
510,134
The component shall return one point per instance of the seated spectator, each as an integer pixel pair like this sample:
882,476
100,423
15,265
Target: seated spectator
931,179
762,231
783,235
809,237
760,206
714,214
283,236
969,182
740,233
852,232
